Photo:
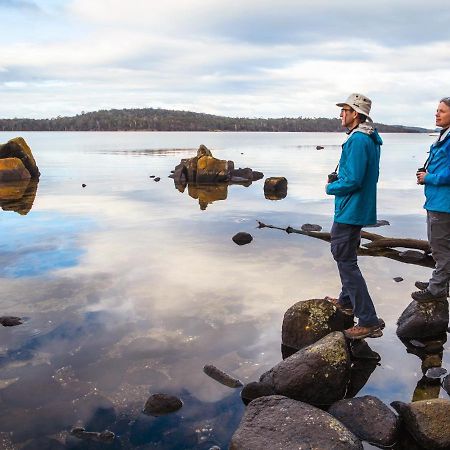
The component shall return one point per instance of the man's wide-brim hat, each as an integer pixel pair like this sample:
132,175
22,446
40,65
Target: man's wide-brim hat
360,103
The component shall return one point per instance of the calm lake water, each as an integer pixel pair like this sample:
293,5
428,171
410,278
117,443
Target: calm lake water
129,288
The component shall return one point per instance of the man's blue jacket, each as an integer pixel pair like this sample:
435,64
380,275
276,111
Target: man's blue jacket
355,190
437,181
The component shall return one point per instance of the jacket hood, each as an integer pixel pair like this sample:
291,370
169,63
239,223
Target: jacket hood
368,128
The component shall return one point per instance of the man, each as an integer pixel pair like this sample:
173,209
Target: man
436,178
355,191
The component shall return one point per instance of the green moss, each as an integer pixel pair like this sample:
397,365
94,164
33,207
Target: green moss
334,353
319,315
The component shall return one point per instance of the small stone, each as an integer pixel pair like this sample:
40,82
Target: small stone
397,279
156,179
222,377
319,147
153,176
10,321
435,372
242,238
311,227
83,185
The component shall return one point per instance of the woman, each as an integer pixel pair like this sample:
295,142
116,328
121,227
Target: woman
436,178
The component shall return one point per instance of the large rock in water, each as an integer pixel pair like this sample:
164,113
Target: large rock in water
368,418
307,321
423,320
428,421
277,422
12,169
18,148
317,374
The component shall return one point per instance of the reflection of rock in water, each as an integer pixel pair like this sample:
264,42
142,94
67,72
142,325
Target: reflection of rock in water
18,196
207,194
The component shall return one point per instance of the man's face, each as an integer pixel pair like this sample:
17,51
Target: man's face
348,117
443,115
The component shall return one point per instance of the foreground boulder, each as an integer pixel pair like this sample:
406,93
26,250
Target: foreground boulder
307,321
368,418
427,421
18,148
317,374
277,422
206,169
423,320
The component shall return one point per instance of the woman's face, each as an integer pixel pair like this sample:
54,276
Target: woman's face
443,115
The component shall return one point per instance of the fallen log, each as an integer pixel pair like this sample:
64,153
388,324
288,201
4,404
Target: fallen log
384,247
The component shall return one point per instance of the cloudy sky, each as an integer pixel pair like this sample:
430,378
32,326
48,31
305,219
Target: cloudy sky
252,58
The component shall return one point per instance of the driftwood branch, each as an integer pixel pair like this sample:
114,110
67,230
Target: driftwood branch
379,245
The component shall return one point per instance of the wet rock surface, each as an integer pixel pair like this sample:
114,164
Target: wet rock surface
427,421
368,418
307,321
221,377
13,169
423,320
256,389
160,404
242,238
317,374
277,422
17,148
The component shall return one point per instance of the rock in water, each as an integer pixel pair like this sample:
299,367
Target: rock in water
277,422
318,374
428,421
423,320
368,418
311,227
275,188
221,377
10,321
435,372
242,238
105,436
13,169
18,148
160,404
307,321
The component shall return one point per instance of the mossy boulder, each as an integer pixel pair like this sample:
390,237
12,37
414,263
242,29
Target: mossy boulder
318,374
307,321
18,148
277,422
428,422
423,320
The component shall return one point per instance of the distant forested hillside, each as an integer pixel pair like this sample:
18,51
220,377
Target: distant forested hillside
150,119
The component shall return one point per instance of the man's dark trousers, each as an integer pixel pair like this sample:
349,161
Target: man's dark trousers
345,240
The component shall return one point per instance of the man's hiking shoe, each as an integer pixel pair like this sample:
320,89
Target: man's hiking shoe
427,296
359,332
422,285
345,309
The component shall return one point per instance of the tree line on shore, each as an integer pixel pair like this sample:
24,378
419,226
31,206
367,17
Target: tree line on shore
151,119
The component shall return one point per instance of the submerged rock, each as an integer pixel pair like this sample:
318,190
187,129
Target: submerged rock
160,404
428,421
368,418
317,374
277,422
105,436
307,321
423,320
222,377
242,238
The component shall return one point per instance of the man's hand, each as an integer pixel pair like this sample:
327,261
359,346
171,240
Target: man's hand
421,177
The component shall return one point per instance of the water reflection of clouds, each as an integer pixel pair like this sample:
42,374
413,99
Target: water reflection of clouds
46,242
